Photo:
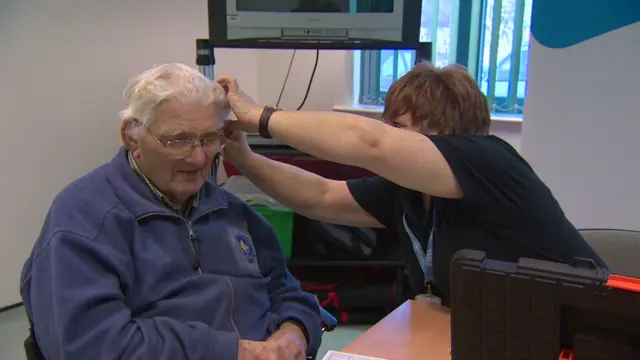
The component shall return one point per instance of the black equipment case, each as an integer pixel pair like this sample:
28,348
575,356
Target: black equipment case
540,310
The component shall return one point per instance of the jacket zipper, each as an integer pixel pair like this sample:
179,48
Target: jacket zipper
233,306
197,260
192,236
199,269
233,290
196,253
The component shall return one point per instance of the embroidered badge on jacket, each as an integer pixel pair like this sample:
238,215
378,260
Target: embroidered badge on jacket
245,244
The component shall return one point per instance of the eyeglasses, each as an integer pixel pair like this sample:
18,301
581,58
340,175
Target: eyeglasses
182,148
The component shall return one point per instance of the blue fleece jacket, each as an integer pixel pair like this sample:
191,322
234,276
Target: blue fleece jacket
117,275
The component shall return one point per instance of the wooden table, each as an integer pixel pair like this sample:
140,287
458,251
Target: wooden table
415,330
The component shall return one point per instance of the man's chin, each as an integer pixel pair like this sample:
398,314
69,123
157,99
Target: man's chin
187,190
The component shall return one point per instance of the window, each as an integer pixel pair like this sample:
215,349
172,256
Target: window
479,34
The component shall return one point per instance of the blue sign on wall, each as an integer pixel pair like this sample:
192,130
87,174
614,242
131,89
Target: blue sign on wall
563,23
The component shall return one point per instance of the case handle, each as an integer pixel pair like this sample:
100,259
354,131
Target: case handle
584,263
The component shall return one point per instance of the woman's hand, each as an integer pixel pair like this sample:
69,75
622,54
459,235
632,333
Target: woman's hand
243,107
235,148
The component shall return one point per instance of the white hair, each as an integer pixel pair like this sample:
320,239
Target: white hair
170,82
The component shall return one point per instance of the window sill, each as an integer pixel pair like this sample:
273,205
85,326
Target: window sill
376,111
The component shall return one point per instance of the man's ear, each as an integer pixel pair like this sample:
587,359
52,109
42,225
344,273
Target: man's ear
129,141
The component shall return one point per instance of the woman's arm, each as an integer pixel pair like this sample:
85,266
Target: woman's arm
304,192
407,158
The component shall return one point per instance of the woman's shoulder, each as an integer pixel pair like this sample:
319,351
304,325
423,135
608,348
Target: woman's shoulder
479,150
473,142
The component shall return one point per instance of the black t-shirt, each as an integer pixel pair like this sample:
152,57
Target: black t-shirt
506,211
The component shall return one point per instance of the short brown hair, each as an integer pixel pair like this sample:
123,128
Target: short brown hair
447,100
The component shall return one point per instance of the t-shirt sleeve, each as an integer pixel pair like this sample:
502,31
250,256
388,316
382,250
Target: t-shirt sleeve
488,170
376,195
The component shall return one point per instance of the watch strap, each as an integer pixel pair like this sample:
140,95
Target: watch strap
263,125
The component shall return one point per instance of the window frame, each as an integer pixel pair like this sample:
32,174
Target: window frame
468,45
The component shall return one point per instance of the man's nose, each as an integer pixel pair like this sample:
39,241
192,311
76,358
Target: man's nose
197,156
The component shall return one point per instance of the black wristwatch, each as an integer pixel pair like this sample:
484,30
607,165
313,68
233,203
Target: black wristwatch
263,125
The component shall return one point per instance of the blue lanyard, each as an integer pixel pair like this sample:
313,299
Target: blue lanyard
425,258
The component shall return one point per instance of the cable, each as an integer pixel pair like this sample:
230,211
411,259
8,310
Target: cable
313,74
284,85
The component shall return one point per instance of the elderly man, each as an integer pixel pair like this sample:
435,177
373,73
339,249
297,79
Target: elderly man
143,258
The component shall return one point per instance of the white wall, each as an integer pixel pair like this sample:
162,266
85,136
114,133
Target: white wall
63,65
332,83
582,124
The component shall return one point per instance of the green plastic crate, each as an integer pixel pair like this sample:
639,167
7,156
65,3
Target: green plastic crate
281,219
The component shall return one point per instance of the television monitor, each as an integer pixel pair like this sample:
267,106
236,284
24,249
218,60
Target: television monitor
315,24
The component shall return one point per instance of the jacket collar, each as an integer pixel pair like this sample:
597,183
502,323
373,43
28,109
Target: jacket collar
193,201
141,199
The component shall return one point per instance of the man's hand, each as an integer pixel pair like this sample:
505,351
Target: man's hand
255,350
283,345
243,107
290,342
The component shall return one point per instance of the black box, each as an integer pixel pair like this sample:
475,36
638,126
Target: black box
536,310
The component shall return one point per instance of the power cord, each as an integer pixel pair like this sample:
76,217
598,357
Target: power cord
313,74
286,79
284,85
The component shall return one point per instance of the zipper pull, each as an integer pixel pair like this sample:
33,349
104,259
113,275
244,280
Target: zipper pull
190,230
429,293
196,249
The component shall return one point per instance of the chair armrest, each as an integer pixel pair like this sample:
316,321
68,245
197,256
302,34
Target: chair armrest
31,349
329,322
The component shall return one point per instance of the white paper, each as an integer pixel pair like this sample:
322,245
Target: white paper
336,355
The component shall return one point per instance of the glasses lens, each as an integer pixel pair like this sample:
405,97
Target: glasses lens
179,147
211,145
184,148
